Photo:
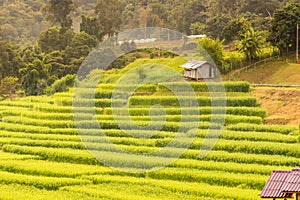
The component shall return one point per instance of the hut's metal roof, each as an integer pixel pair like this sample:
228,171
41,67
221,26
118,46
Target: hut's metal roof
193,64
280,183
292,183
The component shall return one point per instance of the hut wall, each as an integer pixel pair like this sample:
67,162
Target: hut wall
206,71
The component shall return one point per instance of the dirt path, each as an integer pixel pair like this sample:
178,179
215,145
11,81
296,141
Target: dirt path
282,105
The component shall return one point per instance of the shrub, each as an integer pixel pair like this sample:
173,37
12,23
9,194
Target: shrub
61,85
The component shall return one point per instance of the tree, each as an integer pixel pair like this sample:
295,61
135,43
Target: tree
8,87
49,40
284,27
57,62
251,43
108,15
55,39
128,47
235,29
10,60
214,48
82,44
215,25
34,77
58,11
264,7
90,26
197,28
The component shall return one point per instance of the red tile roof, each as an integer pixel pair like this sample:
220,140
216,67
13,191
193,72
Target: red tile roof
280,183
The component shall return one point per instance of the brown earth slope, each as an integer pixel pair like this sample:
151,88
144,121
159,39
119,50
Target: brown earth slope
282,105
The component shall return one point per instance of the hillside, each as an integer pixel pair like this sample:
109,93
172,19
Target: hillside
282,104
42,155
279,72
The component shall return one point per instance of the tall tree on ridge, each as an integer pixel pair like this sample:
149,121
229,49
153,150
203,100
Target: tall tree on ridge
108,14
58,11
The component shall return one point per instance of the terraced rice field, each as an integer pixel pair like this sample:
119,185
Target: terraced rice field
43,157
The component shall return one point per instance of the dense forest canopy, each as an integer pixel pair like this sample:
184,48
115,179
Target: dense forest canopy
22,21
43,41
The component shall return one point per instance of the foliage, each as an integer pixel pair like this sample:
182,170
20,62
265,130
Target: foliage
251,43
233,60
284,29
91,27
35,77
55,39
8,87
235,29
49,40
214,48
108,16
61,85
9,59
58,11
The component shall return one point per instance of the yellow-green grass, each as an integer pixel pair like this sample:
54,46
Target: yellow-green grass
45,158
270,73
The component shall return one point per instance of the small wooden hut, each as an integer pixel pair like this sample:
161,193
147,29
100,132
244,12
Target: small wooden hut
197,69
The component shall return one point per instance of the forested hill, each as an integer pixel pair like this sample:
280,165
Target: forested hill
45,41
22,21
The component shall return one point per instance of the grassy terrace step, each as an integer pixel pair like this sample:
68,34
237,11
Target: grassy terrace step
17,104
100,103
251,181
207,87
151,145
129,191
106,94
47,168
106,124
84,157
4,156
128,87
247,111
216,118
28,192
188,101
197,86
42,133
225,166
47,108
168,189
42,182
262,128
169,101
51,169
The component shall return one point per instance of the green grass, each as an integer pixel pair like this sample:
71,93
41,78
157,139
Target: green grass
43,157
271,73
152,68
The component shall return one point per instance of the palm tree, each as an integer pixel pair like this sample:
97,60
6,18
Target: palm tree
251,43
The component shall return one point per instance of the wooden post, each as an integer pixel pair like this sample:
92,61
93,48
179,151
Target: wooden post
297,44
